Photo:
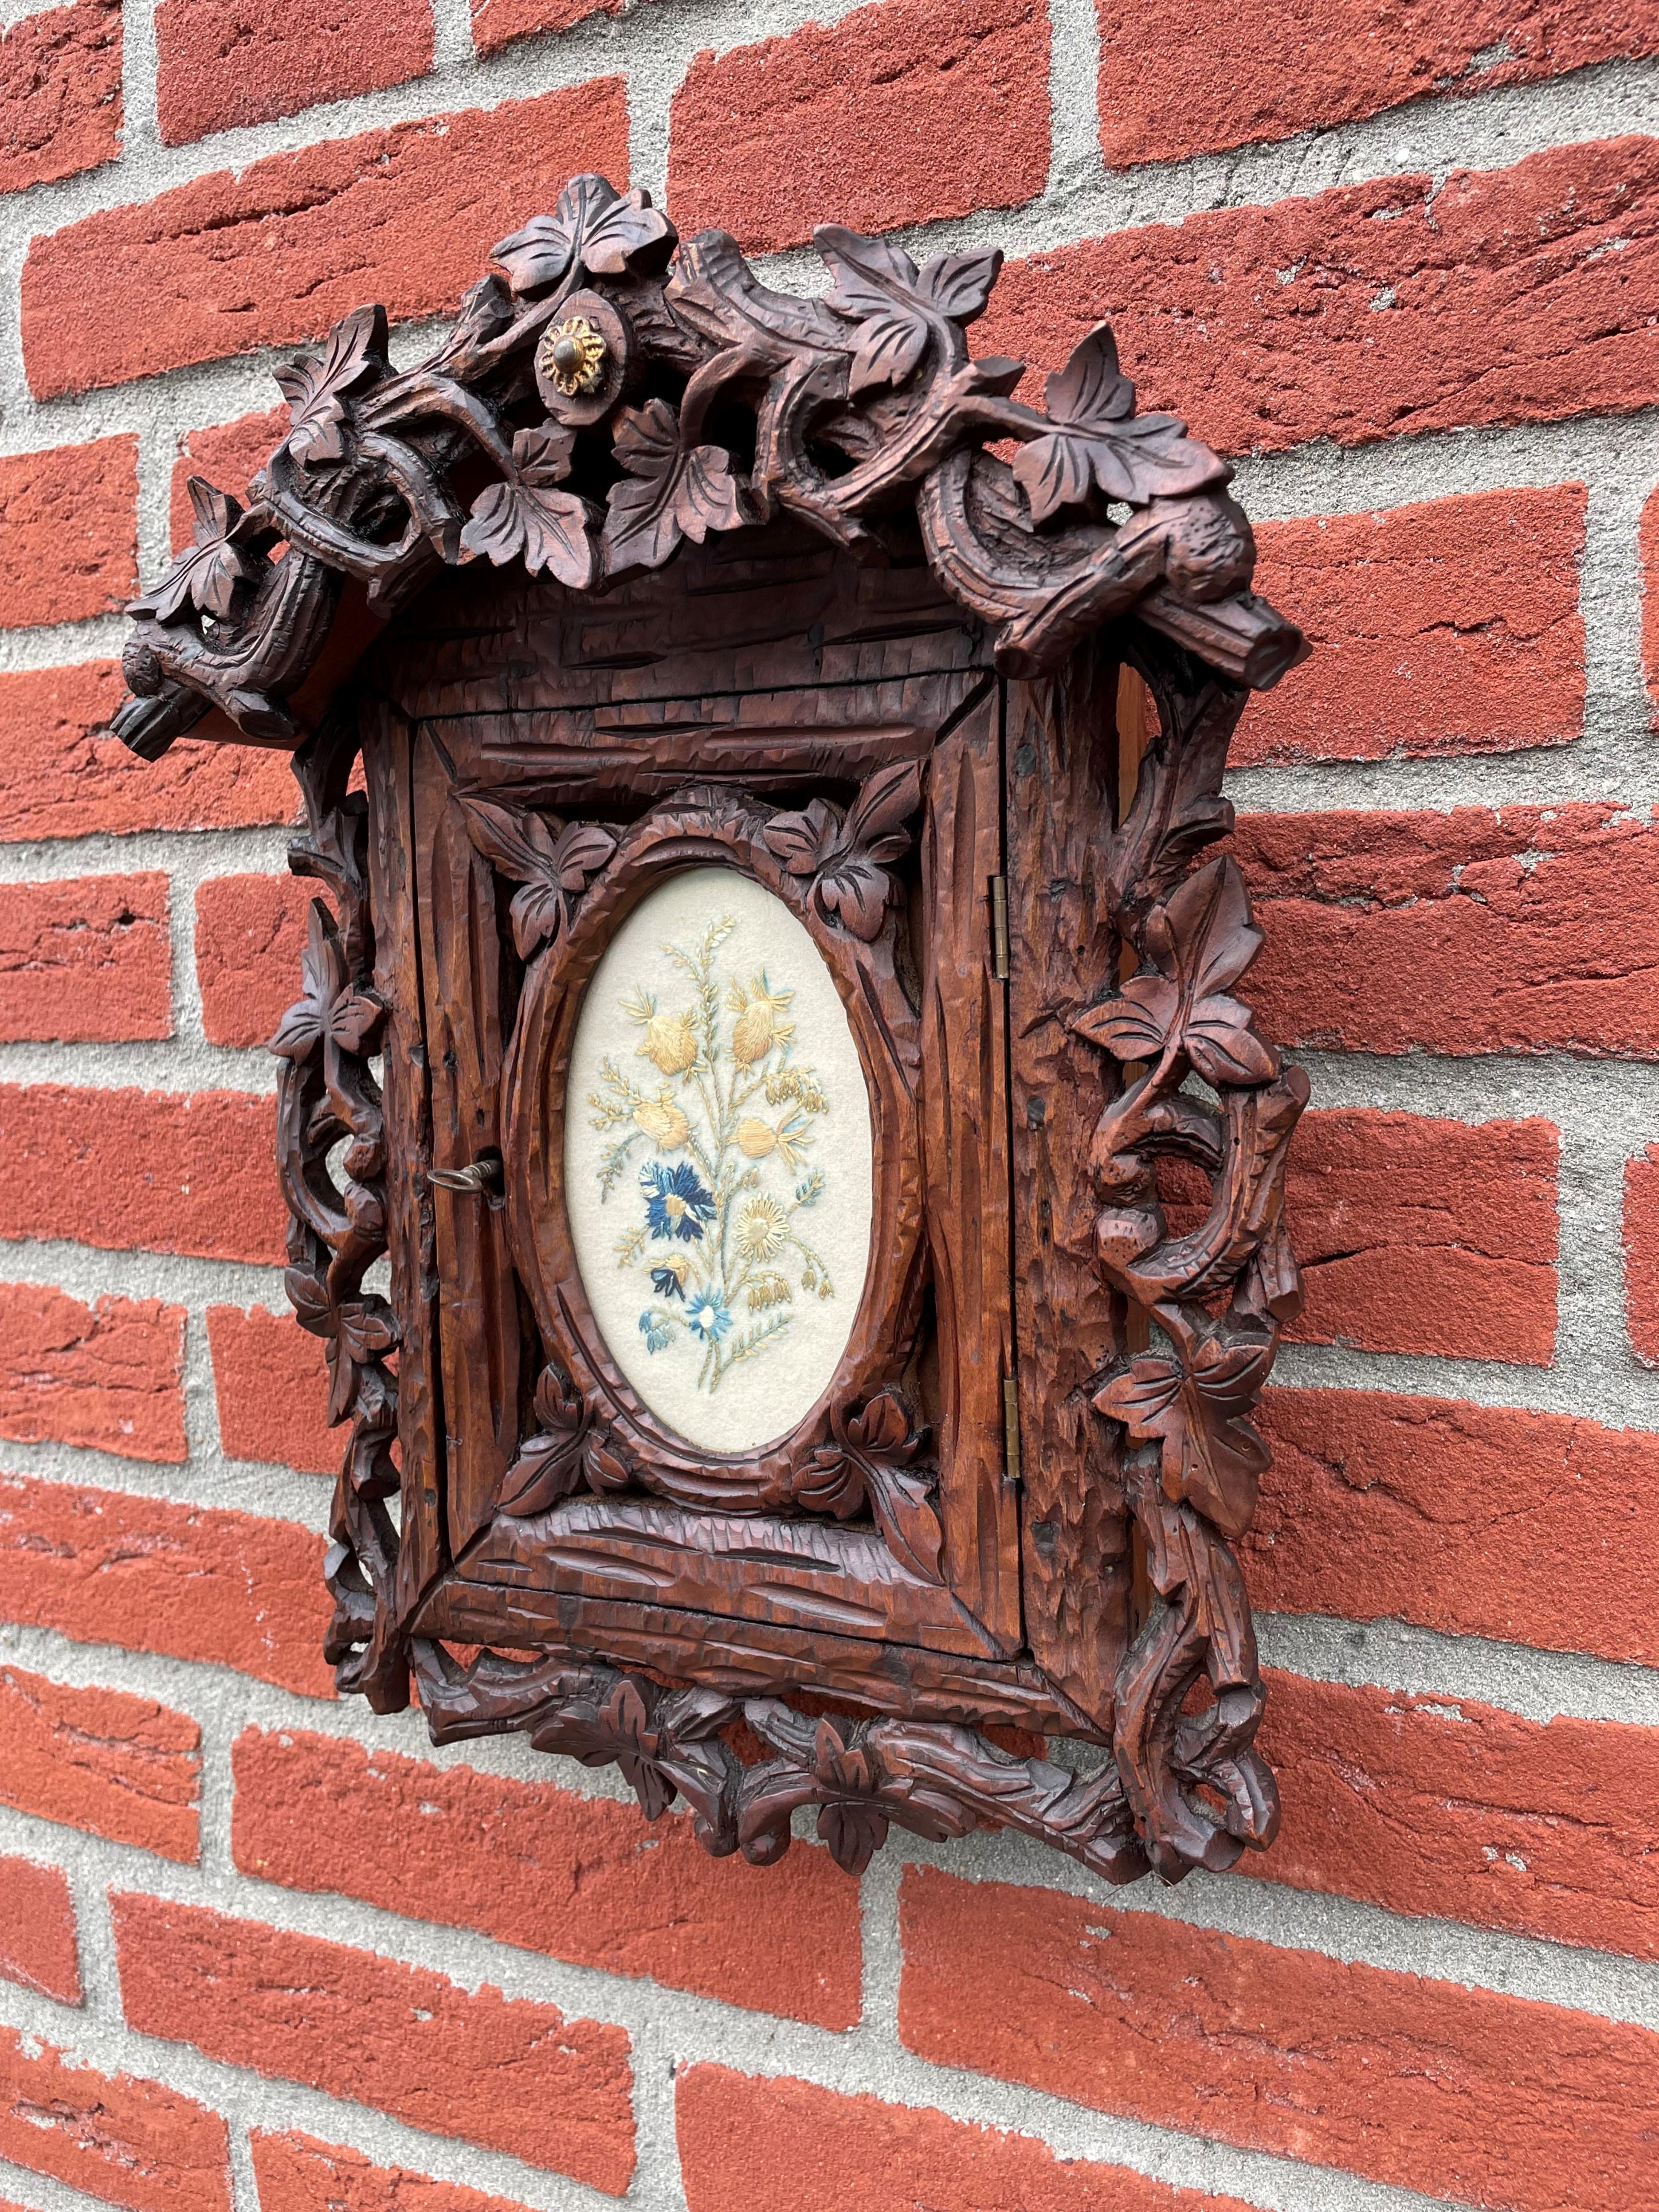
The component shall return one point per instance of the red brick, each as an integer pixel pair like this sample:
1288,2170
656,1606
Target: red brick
104,1761
227,1589
1454,2092
1198,77
1522,295
1522,929
69,531
1642,1255
1647,536
580,1878
222,63
1450,1807
227,454
161,1171
249,934
60,92
271,1385
1451,626
86,959
109,1377
297,2174
1479,1519
60,778
1415,1235
497,23
227,263
117,2136
823,2150
507,2074
899,113
37,1929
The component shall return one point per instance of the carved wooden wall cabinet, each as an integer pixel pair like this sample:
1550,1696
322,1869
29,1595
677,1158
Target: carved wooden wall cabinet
751,1003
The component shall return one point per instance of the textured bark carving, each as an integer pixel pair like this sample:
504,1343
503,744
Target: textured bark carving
853,403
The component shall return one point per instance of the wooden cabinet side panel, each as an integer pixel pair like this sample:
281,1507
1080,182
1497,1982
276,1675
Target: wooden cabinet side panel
463,984
965,1159
408,1148
1061,759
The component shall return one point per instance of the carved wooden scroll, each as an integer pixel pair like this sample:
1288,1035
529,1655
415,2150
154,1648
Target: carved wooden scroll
654,577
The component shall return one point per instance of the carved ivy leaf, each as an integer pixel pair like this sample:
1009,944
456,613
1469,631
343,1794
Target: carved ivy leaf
553,864
877,287
670,491
595,226
618,1731
330,1009
549,1462
871,1461
854,1832
1212,1456
1100,443
315,385
847,858
524,518
206,573
1202,940
308,1294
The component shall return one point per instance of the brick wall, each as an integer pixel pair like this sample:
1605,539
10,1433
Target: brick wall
260,1950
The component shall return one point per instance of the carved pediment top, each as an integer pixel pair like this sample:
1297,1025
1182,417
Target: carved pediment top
606,394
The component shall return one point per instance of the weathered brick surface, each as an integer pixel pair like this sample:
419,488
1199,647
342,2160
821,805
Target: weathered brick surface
86,959
119,2137
60,778
1451,626
229,263
229,1589
1641,1242
222,63
60,92
497,23
1447,1806
1648,538
109,1375
118,1766
1416,1234
1479,1519
270,1383
297,2174
69,532
507,2074
579,1877
37,1929
1455,2092
165,1172
899,113
883,2158
227,454
1522,295
1520,929
1196,77
249,934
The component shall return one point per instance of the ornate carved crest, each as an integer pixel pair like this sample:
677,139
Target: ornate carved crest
605,400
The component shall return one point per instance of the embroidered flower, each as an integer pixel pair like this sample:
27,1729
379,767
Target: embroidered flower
757,1028
654,1327
677,1201
669,1280
664,1123
671,1043
761,1229
708,1316
756,1139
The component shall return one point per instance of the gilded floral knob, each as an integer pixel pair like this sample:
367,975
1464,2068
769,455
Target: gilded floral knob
573,356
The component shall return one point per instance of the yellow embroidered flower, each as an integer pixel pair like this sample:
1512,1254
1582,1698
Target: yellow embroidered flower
671,1043
662,1123
756,1139
768,1290
761,1229
757,1028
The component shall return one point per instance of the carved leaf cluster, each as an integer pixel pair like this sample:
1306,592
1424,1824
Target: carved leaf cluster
206,575
896,308
552,865
523,518
847,857
671,491
1198,1415
870,1463
315,386
594,228
1099,444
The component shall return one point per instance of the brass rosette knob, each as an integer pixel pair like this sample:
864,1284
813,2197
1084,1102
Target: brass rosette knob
583,361
573,356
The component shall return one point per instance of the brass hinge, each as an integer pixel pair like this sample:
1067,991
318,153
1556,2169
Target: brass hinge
1011,1428
999,928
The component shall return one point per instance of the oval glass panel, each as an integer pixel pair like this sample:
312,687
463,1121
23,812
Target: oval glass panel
718,1160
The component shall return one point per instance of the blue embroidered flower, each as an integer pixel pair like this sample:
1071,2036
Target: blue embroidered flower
677,1200
708,1316
654,1327
669,1282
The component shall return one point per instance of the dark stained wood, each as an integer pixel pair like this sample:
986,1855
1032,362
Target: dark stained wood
747,585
